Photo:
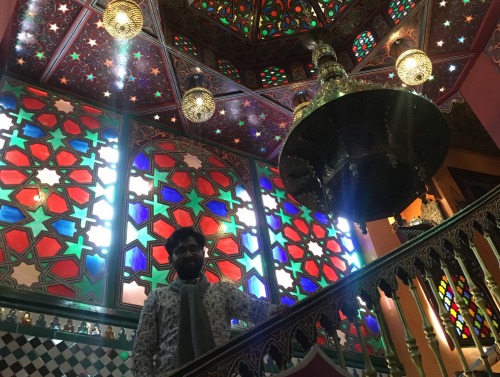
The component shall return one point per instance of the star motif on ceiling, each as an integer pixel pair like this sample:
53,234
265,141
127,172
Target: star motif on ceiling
40,55
431,77
262,149
452,68
155,71
131,78
20,61
466,1
108,63
106,93
26,274
236,141
440,43
257,134
246,103
218,131
447,23
222,112
277,137
63,8
92,42
192,161
442,3
391,75
173,119
441,89
63,80
48,177
157,94
262,116
31,13
133,98
64,106
241,123
282,125
99,24
468,19
156,117
54,27
90,77
461,39
137,55
75,56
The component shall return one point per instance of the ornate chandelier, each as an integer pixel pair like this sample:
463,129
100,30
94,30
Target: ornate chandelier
123,19
360,150
413,67
198,104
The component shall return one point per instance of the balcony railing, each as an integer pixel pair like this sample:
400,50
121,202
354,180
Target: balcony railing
441,251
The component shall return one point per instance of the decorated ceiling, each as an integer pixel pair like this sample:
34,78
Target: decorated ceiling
249,50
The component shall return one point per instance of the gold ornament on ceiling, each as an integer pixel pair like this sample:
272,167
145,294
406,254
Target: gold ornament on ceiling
413,67
123,19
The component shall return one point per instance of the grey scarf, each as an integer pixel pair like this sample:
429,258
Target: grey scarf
195,335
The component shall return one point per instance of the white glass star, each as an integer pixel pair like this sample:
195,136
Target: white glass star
5,122
192,161
139,185
315,248
64,106
284,279
48,176
26,274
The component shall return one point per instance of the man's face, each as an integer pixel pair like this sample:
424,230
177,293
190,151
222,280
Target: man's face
187,258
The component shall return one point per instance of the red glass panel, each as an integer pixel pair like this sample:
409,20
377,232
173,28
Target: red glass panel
209,226
205,187
278,183
17,158
181,179
330,273
318,231
220,178
78,194
11,177
160,254
162,228
40,151
169,147
33,103
28,196
91,110
339,263
17,240
61,290
212,278
230,270
332,245
89,122
65,269
47,247
71,127
2,258
183,217
164,161
47,119
56,203
312,268
38,92
301,225
228,246
295,251
81,176
65,158
291,234
215,161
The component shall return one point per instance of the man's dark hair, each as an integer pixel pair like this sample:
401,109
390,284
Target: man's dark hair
182,234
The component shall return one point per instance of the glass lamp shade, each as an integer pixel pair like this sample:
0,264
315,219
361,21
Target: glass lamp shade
198,105
123,19
413,67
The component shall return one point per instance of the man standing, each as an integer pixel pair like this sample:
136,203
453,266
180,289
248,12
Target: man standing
191,316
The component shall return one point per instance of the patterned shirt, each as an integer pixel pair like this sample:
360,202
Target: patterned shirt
156,342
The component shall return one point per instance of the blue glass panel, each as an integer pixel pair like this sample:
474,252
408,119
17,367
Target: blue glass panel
466,295
142,162
372,324
279,254
287,301
217,208
256,287
79,145
321,217
170,195
64,227
273,221
250,241
135,259
138,212
33,131
8,102
10,214
449,295
290,208
110,134
266,184
95,264
307,284
234,321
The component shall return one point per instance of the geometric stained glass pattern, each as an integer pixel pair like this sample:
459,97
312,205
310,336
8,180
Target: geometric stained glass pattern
398,9
272,76
332,8
481,327
185,44
228,68
363,44
176,182
57,180
309,251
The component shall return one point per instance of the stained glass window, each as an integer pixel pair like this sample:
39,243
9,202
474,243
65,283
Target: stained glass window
236,15
185,44
363,44
332,8
229,69
57,182
280,18
480,325
273,76
313,71
398,9
309,251
177,182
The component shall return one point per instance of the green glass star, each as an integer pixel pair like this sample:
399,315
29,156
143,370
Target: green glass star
81,214
17,90
141,235
279,195
306,214
86,287
298,294
294,268
23,115
332,232
250,263
194,202
158,208
241,123
264,170
285,219
228,197
37,225
89,161
157,94
277,138
76,248
157,177
323,283
4,194
158,277
75,56
57,139
16,140
231,226
40,55
94,137
277,237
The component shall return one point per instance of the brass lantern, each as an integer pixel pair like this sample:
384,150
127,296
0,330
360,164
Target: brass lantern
123,19
413,67
198,104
